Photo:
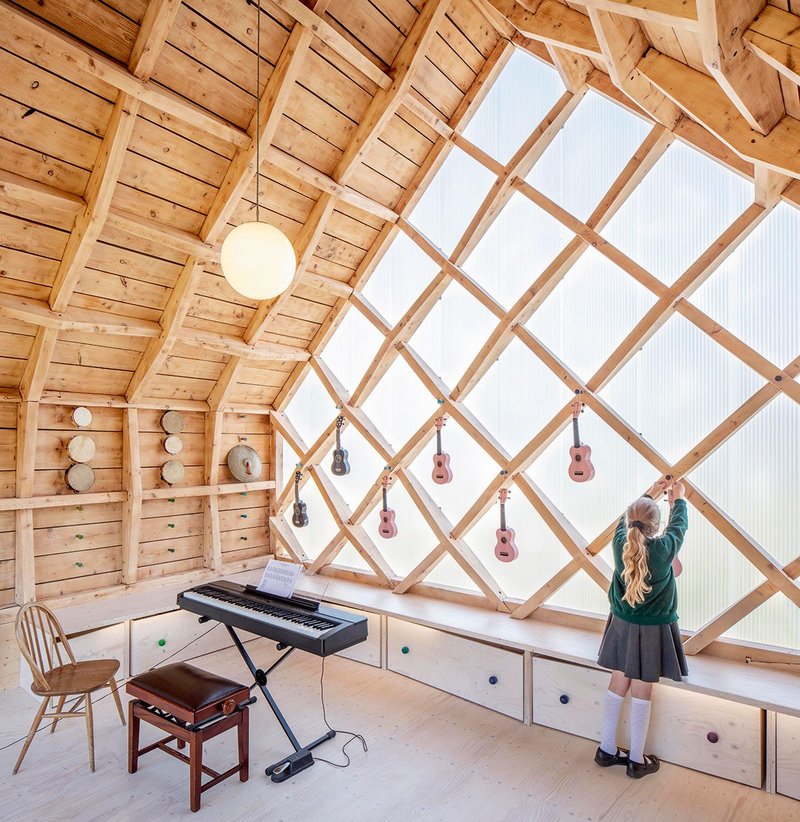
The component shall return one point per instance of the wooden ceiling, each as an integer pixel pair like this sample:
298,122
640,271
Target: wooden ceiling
128,143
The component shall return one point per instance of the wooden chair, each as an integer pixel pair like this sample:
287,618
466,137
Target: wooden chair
56,674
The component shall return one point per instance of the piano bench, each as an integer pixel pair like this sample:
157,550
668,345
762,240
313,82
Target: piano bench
191,705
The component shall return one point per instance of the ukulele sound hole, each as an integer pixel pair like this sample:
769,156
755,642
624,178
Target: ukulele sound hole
577,458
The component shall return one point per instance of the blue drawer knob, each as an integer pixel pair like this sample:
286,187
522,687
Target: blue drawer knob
563,699
405,649
712,737
493,680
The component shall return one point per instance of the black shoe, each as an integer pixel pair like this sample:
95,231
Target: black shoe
605,760
636,770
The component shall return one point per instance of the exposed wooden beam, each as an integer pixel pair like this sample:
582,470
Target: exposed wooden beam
678,14
21,188
155,27
212,540
557,25
702,98
274,98
623,44
132,484
34,376
24,562
386,100
158,349
573,68
235,346
226,384
773,36
751,83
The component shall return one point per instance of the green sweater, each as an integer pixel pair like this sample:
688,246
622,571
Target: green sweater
660,606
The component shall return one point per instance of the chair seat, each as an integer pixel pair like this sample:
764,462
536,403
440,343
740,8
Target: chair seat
186,686
78,678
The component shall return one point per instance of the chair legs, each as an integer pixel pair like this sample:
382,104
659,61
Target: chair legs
133,739
34,727
90,730
115,693
59,708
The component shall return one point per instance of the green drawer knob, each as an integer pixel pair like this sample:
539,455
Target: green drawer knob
170,525
243,493
243,516
161,643
79,508
78,536
171,499
243,539
405,649
79,565
171,550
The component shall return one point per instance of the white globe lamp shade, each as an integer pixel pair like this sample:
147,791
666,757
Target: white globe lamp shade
258,260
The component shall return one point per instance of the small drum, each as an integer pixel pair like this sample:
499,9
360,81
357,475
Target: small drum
172,422
81,449
172,472
82,417
173,445
80,477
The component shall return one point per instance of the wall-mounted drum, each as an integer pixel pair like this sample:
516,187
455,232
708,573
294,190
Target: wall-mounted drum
82,417
244,463
173,445
80,477
81,448
172,472
172,422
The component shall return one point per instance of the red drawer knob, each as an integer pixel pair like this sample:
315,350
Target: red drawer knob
712,737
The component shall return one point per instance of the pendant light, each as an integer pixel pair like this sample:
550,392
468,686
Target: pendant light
256,258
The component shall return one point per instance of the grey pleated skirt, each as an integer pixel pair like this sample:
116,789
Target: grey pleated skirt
646,652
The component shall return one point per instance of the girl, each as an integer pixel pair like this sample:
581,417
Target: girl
642,641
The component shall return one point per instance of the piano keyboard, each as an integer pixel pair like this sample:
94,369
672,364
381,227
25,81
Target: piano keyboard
320,631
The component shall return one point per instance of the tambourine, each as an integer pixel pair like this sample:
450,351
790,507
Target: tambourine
82,416
173,445
244,463
172,472
81,448
172,422
80,477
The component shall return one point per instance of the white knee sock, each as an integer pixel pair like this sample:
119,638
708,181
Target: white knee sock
611,711
640,719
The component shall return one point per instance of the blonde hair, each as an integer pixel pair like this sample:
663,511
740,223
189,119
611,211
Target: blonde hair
643,519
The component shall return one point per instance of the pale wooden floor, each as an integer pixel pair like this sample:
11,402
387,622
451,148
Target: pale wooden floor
432,756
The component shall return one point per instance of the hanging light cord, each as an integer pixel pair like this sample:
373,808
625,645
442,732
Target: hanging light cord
258,105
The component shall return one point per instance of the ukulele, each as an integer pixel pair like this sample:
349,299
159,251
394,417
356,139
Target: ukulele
506,549
442,472
388,527
340,466
581,468
300,514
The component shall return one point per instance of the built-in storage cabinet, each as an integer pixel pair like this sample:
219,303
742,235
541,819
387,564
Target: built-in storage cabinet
482,673
369,651
787,755
698,731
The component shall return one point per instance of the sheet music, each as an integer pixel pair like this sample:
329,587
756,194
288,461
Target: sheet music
280,578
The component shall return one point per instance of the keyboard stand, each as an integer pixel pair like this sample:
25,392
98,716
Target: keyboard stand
301,758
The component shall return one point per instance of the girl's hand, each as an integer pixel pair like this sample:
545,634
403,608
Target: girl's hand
678,490
657,489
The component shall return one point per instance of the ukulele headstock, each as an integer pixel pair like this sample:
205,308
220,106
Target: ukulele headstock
504,495
440,421
386,481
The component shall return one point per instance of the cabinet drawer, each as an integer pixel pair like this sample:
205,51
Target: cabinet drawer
680,723
787,755
481,673
368,651
155,638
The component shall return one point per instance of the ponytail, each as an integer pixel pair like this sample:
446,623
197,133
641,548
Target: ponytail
643,519
635,572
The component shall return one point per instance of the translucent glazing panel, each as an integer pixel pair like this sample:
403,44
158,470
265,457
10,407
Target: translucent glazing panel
677,211
590,312
621,475
679,387
472,470
350,558
776,622
289,460
754,292
414,538
540,554
517,397
515,105
399,278
311,409
453,332
399,404
755,478
449,572
582,593
450,201
518,246
351,348
588,154
365,465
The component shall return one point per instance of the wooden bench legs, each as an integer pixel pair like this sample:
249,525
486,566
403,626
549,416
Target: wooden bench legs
195,739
